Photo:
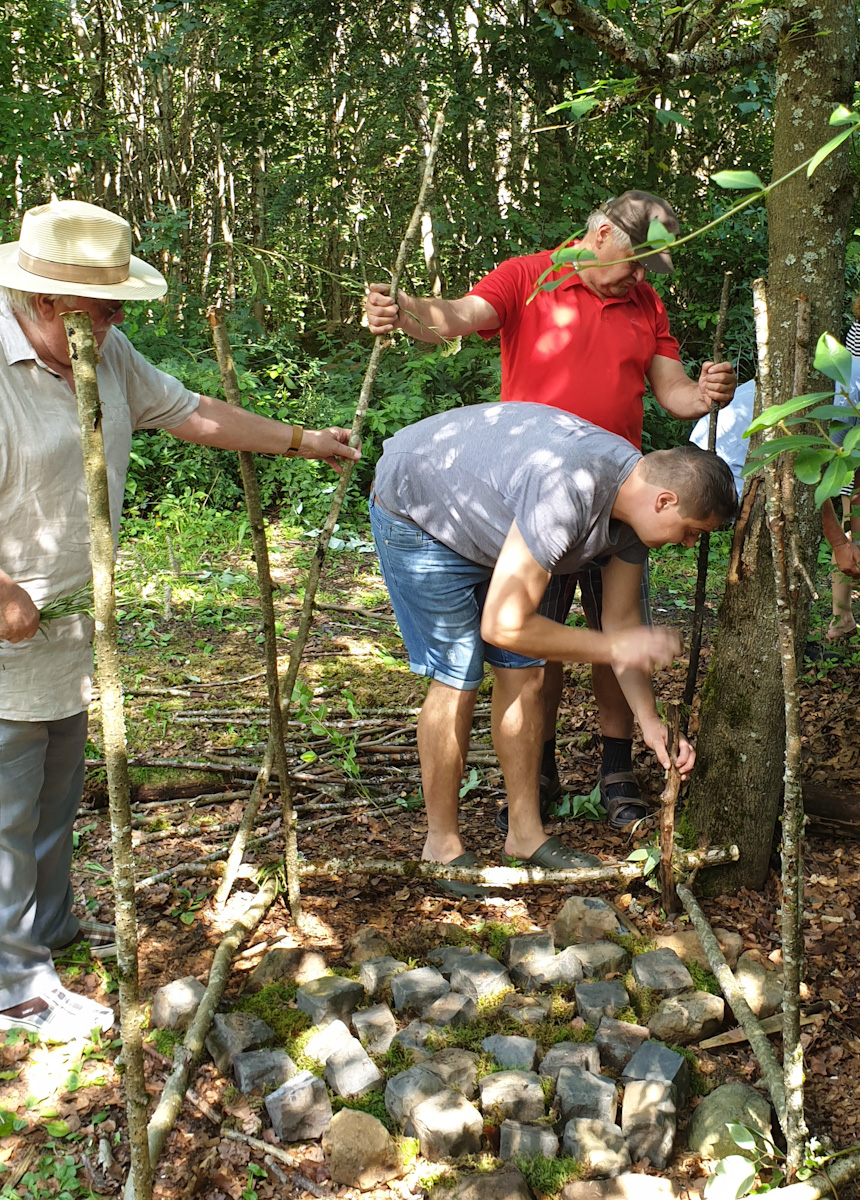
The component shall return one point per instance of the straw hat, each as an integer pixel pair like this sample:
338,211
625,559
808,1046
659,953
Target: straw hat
72,248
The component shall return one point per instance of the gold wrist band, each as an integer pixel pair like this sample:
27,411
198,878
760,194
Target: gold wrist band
298,434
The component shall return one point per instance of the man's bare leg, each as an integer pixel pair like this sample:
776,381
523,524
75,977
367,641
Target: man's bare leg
518,726
444,727
616,719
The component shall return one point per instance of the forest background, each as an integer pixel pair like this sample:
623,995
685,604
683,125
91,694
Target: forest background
268,156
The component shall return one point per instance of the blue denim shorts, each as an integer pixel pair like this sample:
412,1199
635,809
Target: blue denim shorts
438,597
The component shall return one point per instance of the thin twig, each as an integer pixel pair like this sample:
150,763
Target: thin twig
188,1054
668,800
83,354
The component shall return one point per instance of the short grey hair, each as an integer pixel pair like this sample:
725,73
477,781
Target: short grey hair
599,218
22,302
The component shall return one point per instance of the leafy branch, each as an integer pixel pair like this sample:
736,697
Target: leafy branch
819,458
660,238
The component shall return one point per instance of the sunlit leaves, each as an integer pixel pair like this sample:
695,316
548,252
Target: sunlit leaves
777,412
833,359
738,180
659,235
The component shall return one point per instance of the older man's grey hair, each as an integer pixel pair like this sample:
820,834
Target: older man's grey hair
599,218
24,302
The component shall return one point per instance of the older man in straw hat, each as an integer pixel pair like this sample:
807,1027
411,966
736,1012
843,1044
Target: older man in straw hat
71,256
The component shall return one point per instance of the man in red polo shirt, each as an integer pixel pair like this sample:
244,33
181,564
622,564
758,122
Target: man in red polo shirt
587,346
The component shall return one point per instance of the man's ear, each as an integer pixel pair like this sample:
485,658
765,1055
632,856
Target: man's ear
602,234
44,306
666,499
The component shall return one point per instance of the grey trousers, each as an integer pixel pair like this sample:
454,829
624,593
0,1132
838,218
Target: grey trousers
41,784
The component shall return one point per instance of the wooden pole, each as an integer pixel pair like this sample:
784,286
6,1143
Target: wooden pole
276,753
83,354
292,672
187,1055
748,1021
668,800
705,539
776,476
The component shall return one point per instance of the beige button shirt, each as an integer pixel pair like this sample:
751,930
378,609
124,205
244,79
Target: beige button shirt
44,530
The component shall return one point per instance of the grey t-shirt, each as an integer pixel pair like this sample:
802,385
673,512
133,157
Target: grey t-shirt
465,476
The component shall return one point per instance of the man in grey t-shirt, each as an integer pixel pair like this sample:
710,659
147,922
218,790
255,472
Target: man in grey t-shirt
472,512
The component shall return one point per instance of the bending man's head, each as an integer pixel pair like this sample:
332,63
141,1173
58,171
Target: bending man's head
704,483
675,495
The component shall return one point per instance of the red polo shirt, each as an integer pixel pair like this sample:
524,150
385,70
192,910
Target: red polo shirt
570,349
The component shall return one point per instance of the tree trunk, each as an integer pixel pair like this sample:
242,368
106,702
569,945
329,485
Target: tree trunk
737,787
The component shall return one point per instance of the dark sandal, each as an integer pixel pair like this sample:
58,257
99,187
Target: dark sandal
553,855
629,806
464,891
550,794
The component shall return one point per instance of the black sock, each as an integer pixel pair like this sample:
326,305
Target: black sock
617,755
547,762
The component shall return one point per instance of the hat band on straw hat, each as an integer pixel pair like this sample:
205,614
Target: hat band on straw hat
71,272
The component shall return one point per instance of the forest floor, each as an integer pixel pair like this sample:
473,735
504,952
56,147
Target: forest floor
196,694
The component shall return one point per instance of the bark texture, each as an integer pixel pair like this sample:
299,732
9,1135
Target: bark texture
737,788
83,354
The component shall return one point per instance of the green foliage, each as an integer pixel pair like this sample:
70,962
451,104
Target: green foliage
703,979
547,1176
633,943
372,1103
249,1192
165,1040
275,1004
589,806
53,1175
830,457
9,1123
644,1001
396,1058
494,935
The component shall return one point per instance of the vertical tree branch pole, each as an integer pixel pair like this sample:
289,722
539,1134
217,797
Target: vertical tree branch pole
668,800
275,750
187,1055
792,817
83,354
799,388
412,228
705,539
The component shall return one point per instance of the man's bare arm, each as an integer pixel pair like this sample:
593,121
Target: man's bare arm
215,423
621,581
847,555
19,617
427,319
688,399
511,620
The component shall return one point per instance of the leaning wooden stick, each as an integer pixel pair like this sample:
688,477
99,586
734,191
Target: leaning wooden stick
668,800
779,478
83,354
288,682
746,1018
188,1054
276,753
312,583
705,539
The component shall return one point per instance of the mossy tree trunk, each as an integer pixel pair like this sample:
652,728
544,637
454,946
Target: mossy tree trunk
738,783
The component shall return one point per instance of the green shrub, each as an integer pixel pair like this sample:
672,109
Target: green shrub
547,1176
